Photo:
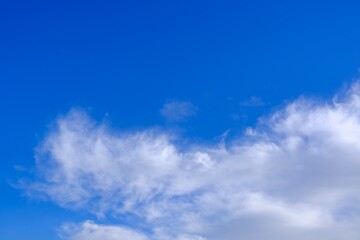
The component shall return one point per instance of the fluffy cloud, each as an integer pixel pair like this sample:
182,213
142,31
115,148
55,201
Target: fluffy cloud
293,176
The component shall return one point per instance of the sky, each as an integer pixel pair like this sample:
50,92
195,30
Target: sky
184,120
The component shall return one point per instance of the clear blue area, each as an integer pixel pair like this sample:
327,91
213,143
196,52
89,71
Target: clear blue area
125,59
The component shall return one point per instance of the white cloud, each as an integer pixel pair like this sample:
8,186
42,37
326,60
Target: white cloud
90,231
177,111
296,176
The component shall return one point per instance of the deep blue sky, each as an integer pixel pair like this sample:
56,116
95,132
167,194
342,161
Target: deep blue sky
125,59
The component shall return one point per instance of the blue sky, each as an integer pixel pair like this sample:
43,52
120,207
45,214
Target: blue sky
171,81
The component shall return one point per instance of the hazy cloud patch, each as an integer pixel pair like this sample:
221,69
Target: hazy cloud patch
253,102
178,111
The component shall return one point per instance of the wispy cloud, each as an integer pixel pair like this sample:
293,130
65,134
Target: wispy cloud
178,111
89,230
294,177
253,102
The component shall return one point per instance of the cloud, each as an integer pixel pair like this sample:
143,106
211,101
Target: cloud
293,176
177,111
89,230
253,102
